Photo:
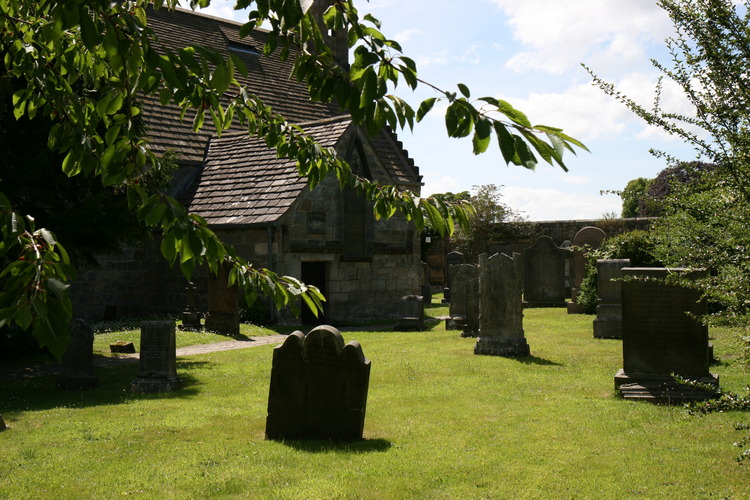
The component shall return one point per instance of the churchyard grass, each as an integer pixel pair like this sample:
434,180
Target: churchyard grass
441,423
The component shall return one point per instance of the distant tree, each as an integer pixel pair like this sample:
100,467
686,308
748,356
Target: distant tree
633,198
485,226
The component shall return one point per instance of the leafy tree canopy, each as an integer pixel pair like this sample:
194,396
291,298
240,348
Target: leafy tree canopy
84,66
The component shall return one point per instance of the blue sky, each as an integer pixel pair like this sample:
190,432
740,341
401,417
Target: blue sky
529,53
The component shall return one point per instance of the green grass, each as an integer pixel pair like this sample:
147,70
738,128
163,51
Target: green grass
441,423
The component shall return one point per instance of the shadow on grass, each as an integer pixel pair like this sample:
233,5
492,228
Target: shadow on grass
323,446
40,393
534,360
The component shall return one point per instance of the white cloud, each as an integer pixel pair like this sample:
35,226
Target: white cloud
559,35
444,184
406,35
552,204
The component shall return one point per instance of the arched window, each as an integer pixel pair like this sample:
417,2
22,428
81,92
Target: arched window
357,211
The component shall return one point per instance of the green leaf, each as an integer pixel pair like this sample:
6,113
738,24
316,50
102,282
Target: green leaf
425,108
482,136
506,142
515,115
464,90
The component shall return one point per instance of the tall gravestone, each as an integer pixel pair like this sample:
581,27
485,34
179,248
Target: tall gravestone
464,309
157,369
544,274
661,336
223,304
318,387
452,259
77,364
608,322
500,307
591,237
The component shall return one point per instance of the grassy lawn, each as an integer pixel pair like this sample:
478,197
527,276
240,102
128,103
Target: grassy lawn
441,423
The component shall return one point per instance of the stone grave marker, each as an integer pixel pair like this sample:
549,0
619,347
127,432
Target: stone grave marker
500,307
464,309
544,274
426,292
589,236
608,322
77,371
411,314
661,336
157,370
223,304
191,318
318,387
453,258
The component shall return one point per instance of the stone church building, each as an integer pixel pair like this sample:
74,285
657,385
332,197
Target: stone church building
257,202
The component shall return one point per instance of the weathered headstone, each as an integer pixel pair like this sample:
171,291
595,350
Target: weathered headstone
591,237
464,309
453,258
608,322
544,274
500,307
223,304
662,336
411,313
157,370
318,387
77,370
191,318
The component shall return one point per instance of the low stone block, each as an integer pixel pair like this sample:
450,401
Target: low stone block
122,347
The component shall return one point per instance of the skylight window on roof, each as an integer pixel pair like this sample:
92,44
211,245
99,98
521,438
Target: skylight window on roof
243,48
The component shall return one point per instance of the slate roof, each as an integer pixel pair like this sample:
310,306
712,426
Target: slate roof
267,77
243,182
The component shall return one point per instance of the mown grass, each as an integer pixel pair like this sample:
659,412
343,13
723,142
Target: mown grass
441,423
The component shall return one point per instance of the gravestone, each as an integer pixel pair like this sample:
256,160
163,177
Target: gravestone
454,258
608,322
592,238
411,314
426,292
318,387
191,318
661,336
223,304
157,370
544,274
77,371
464,309
500,307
